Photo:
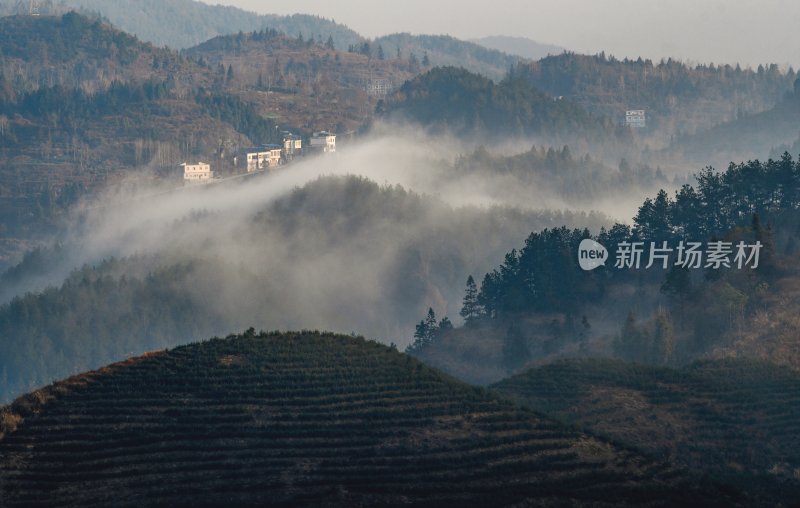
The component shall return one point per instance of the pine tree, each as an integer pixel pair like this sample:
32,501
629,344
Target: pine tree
329,44
426,62
425,332
430,326
470,309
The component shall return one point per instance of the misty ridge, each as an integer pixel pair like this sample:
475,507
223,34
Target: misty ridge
254,259
364,241
456,170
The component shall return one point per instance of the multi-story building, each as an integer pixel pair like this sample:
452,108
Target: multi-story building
199,172
292,146
378,87
636,118
324,141
264,157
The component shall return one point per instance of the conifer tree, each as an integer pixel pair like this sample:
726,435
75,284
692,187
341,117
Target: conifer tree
470,309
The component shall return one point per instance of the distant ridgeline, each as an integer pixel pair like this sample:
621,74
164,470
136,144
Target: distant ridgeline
184,23
544,304
701,96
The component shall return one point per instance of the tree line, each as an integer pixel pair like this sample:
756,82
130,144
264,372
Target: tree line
544,276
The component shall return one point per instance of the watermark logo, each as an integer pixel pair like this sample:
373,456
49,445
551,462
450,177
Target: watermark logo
691,255
591,255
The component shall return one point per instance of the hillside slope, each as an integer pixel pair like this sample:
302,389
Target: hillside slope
736,418
678,98
184,23
748,136
305,420
456,100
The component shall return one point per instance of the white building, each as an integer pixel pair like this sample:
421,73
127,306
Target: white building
268,156
292,146
199,172
380,87
636,118
324,141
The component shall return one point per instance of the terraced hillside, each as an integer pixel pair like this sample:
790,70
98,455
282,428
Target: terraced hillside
736,418
306,420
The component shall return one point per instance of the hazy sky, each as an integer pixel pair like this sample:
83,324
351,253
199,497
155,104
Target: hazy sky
728,31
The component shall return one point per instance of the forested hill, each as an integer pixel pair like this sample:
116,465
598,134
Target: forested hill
309,419
184,23
749,136
678,98
76,52
443,50
464,103
83,104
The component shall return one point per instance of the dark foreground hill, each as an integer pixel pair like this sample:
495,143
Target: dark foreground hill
306,420
736,418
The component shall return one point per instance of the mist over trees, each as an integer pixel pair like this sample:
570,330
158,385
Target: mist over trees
538,299
336,253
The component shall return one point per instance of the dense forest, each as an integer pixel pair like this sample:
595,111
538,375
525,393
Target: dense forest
574,179
748,136
693,310
679,98
464,103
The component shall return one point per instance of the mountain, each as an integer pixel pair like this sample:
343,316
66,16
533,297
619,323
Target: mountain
81,104
84,105
300,83
677,98
184,23
443,51
307,419
74,51
522,46
736,418
749,136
